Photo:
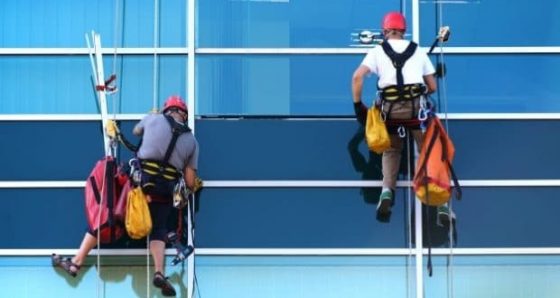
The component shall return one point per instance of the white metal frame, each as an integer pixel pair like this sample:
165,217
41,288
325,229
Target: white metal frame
449,116
267,51
298,183
521,251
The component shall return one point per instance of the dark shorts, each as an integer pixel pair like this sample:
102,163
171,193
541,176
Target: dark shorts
163,219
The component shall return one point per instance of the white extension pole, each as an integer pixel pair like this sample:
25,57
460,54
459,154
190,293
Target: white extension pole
101,95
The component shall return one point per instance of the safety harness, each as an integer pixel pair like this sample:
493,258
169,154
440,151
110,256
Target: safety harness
158,176
402,92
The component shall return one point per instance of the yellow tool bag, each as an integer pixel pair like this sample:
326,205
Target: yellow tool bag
376,132
138,221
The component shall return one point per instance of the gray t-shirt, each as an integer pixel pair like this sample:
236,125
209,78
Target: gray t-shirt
156,136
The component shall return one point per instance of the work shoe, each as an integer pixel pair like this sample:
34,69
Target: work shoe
161,282
385,203
444,215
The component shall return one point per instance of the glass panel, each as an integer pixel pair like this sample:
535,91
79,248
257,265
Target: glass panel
121,276
335,150
247,277
518,276
297,218
62,84
493,84
331,277
322,217
68,149
289,150
493,22
285,23
282,85
226,218
501,217
277,85
55,215
498,149
64,23
286,150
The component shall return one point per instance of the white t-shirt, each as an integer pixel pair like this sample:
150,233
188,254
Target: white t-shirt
417,66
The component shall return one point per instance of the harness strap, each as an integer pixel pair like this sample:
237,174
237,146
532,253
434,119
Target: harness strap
408,123
398,92
408,92
399,59
177,131
393,125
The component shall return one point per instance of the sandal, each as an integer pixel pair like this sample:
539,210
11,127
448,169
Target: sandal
161,282
66,264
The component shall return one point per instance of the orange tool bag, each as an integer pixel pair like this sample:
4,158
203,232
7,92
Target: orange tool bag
434,170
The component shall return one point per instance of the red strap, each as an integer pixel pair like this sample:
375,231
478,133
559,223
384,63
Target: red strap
403,122
106,86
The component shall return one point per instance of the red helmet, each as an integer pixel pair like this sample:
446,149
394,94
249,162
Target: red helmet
394,20
174,101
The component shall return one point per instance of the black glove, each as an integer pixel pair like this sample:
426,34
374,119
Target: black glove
361,112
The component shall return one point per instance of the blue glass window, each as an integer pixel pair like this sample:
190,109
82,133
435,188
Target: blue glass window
486,276
64,23
489,83
269,217
335,150
285,23
477,23
277,85
320,84
62,84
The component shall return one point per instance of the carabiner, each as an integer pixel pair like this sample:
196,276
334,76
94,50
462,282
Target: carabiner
402,132
382,114
422,114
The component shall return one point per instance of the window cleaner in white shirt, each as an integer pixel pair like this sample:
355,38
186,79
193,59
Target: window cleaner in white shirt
405,75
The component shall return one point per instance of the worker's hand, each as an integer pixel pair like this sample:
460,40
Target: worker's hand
112,129
443,34
198,184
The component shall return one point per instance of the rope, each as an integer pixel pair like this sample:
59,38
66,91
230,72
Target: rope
116,21
148,266
154,108
99,282
156,44
409,209
116,38
450,276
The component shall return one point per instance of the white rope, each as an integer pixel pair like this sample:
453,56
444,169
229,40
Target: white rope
156,44
154,108
409,212
99,281
148,266
116,38
450,271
